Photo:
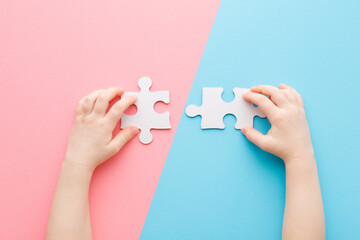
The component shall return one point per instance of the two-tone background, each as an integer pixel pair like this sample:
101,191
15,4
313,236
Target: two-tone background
188,183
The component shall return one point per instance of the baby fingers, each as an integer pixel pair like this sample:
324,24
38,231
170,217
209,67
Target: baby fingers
263,102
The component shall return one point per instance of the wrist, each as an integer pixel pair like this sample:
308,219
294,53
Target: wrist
302,154
303,161
77,168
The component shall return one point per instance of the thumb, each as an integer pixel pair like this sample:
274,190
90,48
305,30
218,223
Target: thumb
123,137
255,137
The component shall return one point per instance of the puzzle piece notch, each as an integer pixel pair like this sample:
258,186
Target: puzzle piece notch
214,109
146,118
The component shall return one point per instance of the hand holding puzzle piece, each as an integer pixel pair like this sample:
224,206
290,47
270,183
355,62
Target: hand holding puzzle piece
146,118
212,111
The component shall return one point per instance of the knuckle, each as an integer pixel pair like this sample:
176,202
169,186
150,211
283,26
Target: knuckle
90,119
278,118
102,98
249,95
98,91
272,115
272,89
81,102
115,148
129,99
286,91
127,136
111,89
295,109
111,149
78,118
86,99
119,107
281,95
300,111
78,110
264,144
261,99
265,103
104,125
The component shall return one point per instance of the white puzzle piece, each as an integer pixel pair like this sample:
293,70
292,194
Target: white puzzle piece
214,109
146,118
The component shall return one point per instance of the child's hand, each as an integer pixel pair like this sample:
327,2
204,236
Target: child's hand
289,136
91,140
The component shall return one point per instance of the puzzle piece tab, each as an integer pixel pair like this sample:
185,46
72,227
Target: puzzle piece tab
214,109
146,118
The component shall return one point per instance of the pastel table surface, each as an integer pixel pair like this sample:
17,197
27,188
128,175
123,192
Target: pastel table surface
217,185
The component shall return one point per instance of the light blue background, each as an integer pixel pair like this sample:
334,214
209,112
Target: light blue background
217,185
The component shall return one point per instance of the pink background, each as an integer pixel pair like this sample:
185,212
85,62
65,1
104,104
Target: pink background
54,52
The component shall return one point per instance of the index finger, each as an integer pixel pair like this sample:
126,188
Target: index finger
264,103
103,100
274,93
117,110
